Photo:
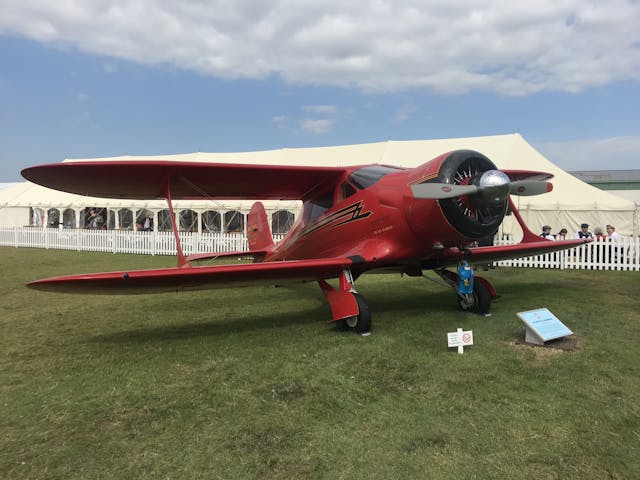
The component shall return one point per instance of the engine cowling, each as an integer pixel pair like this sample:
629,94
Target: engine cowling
475,215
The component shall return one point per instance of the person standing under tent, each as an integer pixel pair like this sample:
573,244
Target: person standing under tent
583,232
546,233
614,238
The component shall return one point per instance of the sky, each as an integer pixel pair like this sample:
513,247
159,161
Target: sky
99,78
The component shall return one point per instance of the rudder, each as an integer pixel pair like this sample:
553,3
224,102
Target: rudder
258,231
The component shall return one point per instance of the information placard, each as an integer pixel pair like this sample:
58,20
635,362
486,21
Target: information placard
543,326
460,339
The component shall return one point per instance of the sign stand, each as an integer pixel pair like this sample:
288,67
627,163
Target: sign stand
460,339
542,326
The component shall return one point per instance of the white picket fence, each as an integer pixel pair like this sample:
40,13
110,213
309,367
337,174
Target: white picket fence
599,255
122,241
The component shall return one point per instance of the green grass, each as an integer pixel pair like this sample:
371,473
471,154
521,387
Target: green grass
253,383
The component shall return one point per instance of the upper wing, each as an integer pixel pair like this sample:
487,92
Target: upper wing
504,252
142,180
196,278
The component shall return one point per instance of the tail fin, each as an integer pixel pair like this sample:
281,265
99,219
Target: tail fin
258,231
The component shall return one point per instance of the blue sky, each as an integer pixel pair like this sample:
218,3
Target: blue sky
92,79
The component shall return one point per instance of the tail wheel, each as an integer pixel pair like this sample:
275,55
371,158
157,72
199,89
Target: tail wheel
478,302
360,323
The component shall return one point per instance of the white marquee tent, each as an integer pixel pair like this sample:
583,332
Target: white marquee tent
571,203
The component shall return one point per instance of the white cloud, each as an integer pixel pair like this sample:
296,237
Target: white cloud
404,113
616,153
109,67
280,121
514,48
316,126
83,97
321,109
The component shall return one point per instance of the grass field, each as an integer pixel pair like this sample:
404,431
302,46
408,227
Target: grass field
253,383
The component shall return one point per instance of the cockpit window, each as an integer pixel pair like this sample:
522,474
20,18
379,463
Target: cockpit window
346,190
367,176
316,207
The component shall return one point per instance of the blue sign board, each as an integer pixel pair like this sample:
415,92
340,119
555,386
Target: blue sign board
544,324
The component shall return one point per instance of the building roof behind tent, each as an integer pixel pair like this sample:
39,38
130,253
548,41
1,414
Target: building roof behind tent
599,176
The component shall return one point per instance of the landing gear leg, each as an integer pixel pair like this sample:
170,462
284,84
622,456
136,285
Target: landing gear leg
476,301
347,305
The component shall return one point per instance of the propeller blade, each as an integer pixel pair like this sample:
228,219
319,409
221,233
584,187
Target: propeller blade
530,187
439,191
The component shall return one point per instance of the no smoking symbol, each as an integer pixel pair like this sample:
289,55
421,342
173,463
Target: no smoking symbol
466,338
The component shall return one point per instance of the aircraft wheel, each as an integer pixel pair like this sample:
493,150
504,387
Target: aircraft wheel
360,323
478,302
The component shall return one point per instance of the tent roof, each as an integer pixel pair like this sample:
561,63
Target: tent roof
507,152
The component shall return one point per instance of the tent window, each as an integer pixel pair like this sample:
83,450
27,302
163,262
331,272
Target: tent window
210,221
188,221
88,218
282,221
53,218
69,218
125,219
111,219
145,224
37,217
233,222
164,221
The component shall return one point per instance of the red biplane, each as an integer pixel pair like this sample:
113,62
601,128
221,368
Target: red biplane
354,220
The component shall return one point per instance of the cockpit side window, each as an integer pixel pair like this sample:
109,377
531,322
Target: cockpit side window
346,190
367,176
316,207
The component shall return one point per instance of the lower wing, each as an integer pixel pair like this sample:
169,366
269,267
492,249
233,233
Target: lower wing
504,252
196,278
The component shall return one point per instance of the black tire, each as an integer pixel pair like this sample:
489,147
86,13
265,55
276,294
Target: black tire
360,323
481,300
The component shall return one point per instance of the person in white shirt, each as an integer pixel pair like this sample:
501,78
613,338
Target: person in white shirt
614,238
612,235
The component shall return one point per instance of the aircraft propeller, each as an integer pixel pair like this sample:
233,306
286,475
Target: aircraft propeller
493,186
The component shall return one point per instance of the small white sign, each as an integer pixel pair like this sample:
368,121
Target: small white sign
460,339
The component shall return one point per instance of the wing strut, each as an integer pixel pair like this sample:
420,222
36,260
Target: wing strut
527,235
182,260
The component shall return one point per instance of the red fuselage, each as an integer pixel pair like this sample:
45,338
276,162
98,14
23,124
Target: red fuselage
371,213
